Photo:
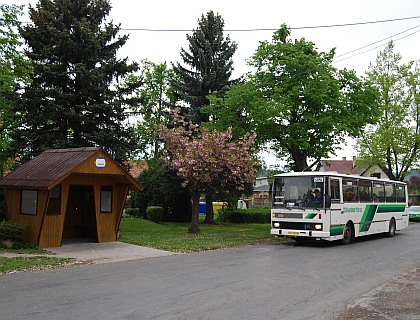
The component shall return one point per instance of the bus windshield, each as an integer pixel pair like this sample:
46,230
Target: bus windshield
300,192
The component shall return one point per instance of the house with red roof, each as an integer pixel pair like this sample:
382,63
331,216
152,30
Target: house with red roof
345,166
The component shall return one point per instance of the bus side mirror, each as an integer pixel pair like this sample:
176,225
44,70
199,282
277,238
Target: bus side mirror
327,201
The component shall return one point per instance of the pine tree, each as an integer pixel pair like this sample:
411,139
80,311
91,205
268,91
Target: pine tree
76,98
210,60
211,63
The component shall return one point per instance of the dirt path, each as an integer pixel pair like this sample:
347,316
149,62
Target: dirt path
398,298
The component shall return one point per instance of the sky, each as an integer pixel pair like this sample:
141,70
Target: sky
349,29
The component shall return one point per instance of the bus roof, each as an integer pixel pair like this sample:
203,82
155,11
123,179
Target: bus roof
333,174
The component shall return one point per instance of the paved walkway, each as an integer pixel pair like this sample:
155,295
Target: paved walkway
105,251
101,252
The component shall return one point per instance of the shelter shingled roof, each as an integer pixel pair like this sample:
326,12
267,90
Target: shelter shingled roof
49,167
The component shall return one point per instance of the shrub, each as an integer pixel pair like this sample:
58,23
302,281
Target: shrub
256,215
162,187
133,212
12,231
154,213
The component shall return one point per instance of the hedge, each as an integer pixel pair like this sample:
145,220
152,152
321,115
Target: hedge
154,213
255,215
134,212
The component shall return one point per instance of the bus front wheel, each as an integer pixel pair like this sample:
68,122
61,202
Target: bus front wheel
347,234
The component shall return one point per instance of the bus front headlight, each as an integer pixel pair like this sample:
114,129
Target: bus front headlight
276,224
318,227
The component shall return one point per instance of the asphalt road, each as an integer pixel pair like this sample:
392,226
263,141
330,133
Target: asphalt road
280,281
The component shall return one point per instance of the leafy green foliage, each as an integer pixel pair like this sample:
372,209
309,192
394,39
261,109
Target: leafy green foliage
162,187
15,70
297,101
255,215
76,97
393,142
132,212
154,213
12,231
156,100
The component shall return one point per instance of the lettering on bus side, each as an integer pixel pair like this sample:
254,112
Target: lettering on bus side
352,210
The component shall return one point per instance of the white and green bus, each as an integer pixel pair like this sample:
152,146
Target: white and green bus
331,206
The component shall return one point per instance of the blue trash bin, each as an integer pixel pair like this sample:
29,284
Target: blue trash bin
202,208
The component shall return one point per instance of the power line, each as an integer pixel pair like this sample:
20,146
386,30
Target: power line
269,29
376,46
344,54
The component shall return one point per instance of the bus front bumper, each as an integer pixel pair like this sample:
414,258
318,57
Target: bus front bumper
299,233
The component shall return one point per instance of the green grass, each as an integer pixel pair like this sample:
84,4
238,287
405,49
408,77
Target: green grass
173,236
169,236
8,265
27,256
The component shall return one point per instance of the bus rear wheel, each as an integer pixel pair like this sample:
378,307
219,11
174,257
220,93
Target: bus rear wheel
391,229
348,234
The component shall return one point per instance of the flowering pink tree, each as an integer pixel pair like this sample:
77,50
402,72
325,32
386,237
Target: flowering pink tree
206,160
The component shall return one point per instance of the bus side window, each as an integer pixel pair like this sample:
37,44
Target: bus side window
350,190
400,192
365,191
378,192
390,192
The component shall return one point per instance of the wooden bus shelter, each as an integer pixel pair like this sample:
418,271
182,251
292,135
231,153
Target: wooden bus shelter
68,193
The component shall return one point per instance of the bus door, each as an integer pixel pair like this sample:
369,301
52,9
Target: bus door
335,192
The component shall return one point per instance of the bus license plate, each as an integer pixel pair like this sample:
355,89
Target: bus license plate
293,232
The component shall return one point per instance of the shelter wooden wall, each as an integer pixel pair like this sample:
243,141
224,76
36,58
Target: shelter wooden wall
33,222
46,230
107,223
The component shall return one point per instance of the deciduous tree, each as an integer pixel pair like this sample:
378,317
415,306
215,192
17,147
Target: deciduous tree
393,142
156,100
206,160
15,71
297,101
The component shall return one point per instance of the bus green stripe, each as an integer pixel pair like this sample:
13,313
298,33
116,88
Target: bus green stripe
391,208
367,218
310,216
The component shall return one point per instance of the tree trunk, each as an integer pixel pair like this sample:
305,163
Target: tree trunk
194,216
299,159
209,209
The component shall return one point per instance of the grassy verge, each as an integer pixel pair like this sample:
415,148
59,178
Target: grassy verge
164,236
23,256
8,265
175,236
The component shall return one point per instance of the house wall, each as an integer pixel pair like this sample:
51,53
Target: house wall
261,181
375,169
